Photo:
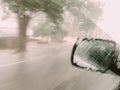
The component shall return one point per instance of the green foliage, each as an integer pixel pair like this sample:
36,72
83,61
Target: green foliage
24,5
92,9
49,29
59,33
43,30
86,12
87,24
53,8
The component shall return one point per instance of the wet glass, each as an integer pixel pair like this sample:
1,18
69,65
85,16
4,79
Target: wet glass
96,55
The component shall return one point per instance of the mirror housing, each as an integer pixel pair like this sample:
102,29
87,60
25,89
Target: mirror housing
95,55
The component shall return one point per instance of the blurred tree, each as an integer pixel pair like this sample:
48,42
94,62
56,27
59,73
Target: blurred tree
50,30
43,30
86,12
24,10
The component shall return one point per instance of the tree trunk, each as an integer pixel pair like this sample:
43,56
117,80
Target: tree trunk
23,23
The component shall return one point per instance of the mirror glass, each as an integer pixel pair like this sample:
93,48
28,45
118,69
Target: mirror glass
96,55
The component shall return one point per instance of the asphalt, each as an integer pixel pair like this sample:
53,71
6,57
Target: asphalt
48,67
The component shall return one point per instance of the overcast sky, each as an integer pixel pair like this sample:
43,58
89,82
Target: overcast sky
111,20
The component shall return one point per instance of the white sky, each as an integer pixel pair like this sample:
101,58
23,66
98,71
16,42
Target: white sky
8,24
111,21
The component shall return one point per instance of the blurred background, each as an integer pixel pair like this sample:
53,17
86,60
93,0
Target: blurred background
46,21
49,21
36,39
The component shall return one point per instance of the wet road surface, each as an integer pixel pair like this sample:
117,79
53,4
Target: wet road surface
47,67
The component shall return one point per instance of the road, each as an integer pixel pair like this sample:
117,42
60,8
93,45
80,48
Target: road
48,67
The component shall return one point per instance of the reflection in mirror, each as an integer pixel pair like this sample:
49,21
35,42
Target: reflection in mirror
96,55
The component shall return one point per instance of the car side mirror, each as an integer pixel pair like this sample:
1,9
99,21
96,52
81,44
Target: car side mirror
95,55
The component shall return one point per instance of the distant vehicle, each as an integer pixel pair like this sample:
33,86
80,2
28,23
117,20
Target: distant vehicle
96,55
